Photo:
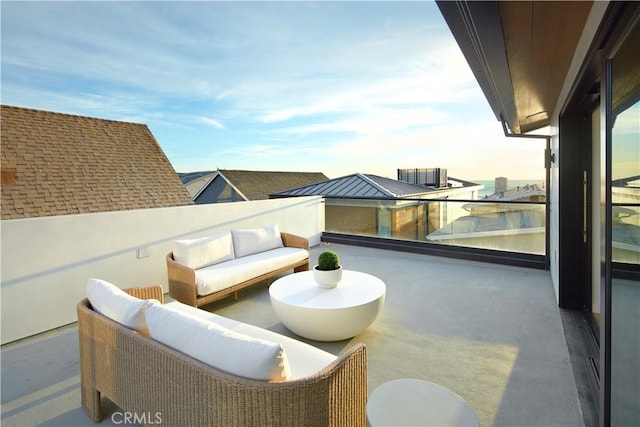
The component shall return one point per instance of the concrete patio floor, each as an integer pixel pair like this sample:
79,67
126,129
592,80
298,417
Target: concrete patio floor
490,333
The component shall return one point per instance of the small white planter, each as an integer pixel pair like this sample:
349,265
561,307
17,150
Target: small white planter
327,278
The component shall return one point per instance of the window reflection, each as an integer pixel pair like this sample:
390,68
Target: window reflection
625,185
625,233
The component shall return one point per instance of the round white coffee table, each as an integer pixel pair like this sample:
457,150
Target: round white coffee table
414,402
327,314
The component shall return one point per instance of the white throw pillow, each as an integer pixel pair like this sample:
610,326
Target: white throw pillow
114,303
251,241
216,345
203,251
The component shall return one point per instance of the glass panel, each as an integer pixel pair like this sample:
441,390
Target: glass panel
505,226
625,234
513,227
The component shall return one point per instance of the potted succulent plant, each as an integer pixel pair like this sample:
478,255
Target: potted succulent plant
328,272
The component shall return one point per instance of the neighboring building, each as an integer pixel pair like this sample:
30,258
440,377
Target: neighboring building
526,193
365,204
573,68
62,164
240,185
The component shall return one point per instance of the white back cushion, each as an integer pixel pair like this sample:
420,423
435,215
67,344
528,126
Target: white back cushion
251,241
114,303
216,345
197,253
303,359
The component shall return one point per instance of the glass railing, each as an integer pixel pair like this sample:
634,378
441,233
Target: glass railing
512,226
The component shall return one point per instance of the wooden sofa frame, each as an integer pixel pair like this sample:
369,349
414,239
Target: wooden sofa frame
182,279
146,378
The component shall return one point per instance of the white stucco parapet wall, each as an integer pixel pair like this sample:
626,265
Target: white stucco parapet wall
45,262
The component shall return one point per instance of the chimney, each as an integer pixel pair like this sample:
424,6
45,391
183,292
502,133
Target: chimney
501,184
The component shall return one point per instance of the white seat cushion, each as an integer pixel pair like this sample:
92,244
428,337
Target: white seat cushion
197,253
114,303
304,359
217,346
251,241
220,276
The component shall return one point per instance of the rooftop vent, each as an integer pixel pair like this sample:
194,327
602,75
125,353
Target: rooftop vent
429,177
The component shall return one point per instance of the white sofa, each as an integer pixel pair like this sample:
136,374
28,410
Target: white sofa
206,269
191,367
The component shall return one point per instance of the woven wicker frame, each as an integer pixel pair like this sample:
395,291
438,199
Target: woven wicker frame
142,376
182,279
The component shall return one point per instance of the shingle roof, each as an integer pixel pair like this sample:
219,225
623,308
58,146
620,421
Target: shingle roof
258,185
59,164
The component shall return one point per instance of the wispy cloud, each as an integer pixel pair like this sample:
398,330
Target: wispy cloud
261,151
211,122
310,85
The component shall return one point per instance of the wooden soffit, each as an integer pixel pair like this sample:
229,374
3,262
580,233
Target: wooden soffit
540,39
519,51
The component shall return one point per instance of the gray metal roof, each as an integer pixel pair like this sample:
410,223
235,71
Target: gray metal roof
400,188
357,185
187,177
363,185
631,181
529,190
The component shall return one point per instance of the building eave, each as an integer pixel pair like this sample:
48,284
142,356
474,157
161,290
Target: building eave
519,52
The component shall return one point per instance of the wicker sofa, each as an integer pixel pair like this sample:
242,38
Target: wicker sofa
233,260
148,379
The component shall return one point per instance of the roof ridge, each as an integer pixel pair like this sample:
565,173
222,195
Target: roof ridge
36,110
422,190
377,185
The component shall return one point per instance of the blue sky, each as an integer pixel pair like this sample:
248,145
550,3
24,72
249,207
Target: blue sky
333,87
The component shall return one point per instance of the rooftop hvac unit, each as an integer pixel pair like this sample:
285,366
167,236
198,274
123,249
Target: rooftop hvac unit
429,177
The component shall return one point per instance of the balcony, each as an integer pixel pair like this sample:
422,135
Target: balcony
491,333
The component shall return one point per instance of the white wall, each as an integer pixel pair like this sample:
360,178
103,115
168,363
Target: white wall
46,261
